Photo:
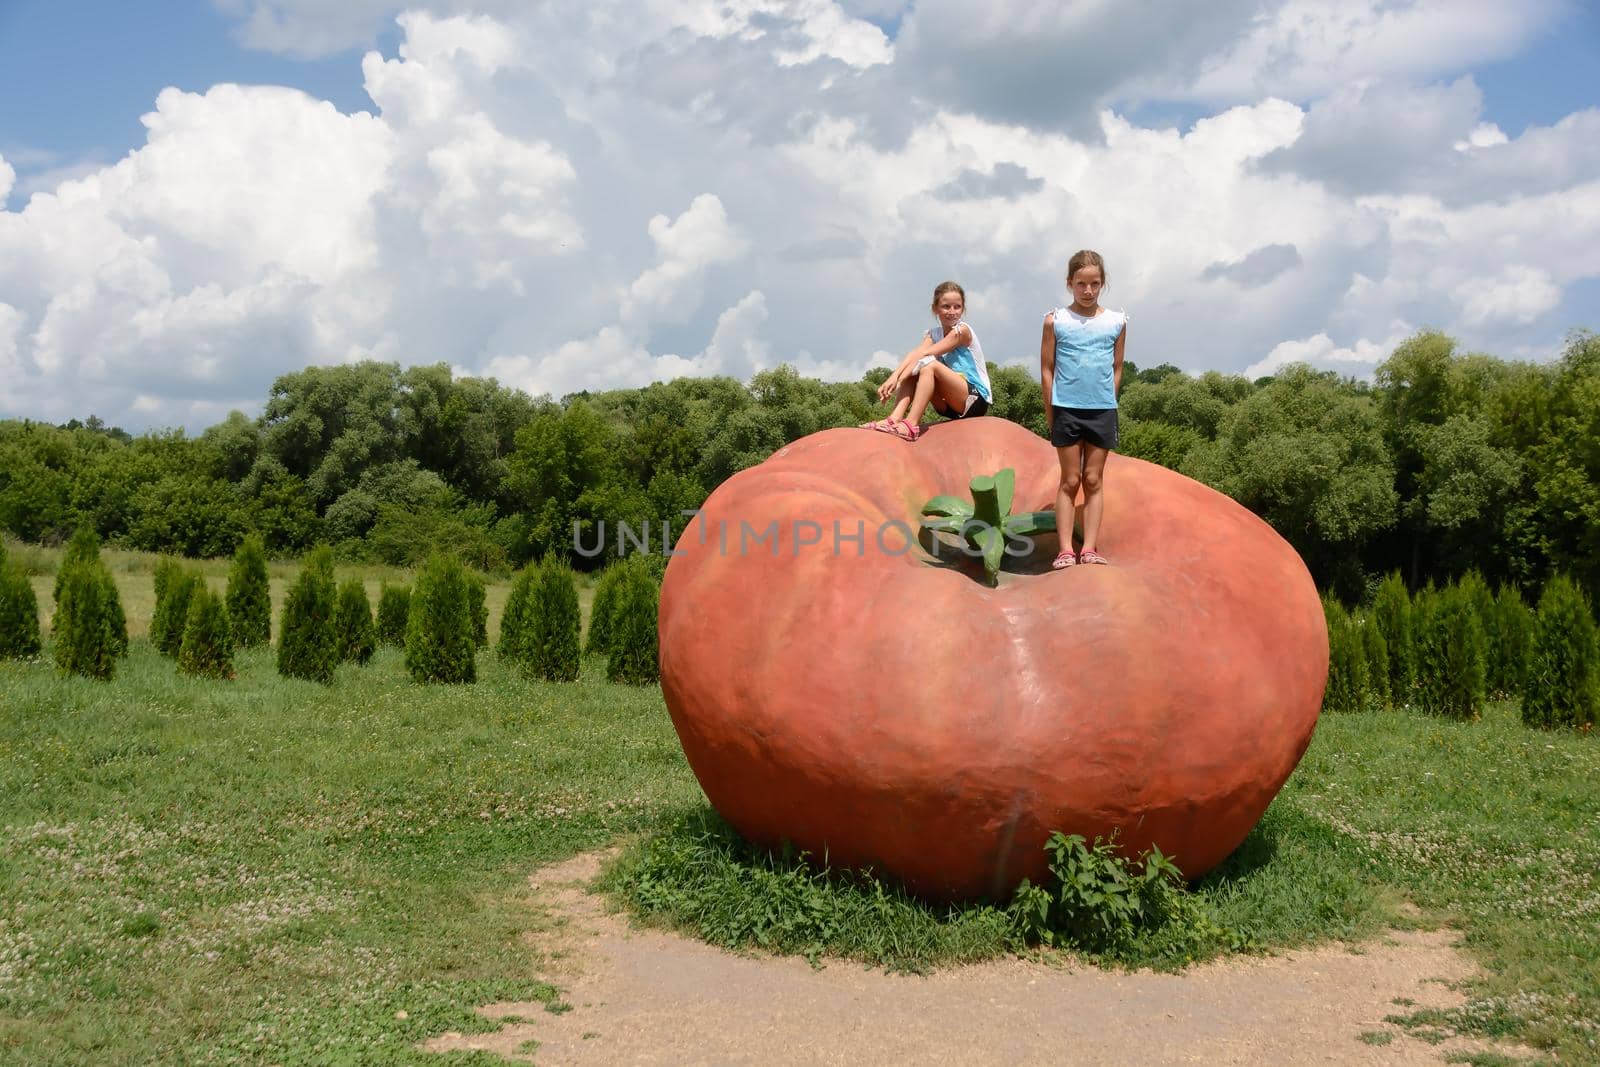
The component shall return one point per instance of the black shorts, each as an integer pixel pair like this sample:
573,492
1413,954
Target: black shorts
976,405
1098,426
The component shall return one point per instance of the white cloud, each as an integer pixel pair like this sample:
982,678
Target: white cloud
1358,359
686,248
1305,48
1517,295
586,196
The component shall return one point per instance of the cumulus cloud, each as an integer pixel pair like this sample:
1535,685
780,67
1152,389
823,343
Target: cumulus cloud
588,196
686,248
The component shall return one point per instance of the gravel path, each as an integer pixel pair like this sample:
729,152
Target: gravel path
643,996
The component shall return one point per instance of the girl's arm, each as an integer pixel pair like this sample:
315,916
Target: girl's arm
1047,362
949,343
1116,361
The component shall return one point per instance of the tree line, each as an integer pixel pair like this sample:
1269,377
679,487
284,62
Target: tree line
1447,461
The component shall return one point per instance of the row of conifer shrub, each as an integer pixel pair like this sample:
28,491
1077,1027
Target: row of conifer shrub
1447,651
441,622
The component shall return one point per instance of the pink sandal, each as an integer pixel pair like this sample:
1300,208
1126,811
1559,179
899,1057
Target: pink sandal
1063,561
904,430
1089,555
880,424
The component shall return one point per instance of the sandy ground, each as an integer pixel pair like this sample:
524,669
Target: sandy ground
643,996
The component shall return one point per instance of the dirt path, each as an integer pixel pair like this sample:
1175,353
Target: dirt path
641,996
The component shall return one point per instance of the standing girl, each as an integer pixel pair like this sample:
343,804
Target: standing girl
946,369
1080,371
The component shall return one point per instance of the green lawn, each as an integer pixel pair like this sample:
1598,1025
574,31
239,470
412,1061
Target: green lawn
269,871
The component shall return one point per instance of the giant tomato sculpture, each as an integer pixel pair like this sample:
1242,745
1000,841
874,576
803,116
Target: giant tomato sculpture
879,707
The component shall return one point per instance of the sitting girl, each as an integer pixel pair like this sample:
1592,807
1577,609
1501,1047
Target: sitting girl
946,369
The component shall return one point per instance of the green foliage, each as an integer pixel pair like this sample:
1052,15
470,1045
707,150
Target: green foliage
549,644
1513,636
394,609
354,635
477,608
1562,687
187,514
1348,679
176,588
1101,903
986,523
19,613
84,638
440,633
603,611
307,642
1308,455
1392,614
249,594
634,645
1450,653
207,647
1375,650
514,618
84,548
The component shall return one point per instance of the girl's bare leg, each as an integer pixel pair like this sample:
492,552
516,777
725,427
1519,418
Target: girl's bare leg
937,380
1094,501
1071,460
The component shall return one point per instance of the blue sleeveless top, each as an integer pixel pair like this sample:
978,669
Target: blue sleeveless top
967,361
1085,358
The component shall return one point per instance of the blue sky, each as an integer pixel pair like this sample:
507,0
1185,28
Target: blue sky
576,195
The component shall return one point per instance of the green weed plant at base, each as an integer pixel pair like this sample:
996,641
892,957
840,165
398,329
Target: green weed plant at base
394,608
248,598
1563,678
207,647
353,631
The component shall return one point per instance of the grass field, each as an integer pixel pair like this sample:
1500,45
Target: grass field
275,871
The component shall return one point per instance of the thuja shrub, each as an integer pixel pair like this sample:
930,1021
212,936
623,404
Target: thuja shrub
631,656
1375,650
513,646
83,621
207,647
84,547
1480,600
1562,687
172,610
1391,612
1450,654
1347,664
19,613
394,608
603,611
440,639
354,633
306,641
1513,633
477,608
249,598
551,640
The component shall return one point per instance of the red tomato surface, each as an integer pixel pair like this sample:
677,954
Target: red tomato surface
883,708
